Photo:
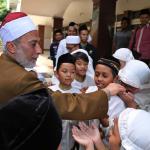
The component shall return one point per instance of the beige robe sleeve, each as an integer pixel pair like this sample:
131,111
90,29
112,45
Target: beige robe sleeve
81,106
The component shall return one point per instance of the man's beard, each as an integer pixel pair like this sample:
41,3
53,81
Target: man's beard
23,61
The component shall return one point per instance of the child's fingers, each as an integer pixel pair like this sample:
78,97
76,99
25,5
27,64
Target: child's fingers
83,126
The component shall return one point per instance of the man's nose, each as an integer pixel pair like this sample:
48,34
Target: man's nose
38,49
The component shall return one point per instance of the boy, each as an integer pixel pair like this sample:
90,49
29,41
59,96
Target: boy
65,72
84,44
82,80
106,72
58,36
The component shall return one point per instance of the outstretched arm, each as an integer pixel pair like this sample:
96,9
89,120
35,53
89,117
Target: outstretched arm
85,106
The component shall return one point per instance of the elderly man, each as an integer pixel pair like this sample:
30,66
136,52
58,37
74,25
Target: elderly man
31,113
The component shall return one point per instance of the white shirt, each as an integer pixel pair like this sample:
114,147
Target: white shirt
67,141
57,88
115,105
88,81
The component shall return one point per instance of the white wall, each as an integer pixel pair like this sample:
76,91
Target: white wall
47,36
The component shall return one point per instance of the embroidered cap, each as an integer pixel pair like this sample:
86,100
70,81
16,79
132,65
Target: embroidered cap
110,63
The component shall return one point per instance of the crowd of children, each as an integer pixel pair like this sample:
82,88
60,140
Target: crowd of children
75,73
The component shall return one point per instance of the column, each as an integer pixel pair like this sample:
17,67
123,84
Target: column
107,10
106,21
41,34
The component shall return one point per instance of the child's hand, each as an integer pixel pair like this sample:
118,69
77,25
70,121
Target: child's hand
83,90
94,134
92,131
82,138
114,137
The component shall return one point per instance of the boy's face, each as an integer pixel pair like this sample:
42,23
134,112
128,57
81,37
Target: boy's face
71,30
103,76
124,24
84,35
70,47
66,74
81,67
58,36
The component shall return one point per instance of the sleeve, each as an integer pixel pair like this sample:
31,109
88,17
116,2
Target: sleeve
29,82
81,106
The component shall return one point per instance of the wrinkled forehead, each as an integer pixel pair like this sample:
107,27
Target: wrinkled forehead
31,36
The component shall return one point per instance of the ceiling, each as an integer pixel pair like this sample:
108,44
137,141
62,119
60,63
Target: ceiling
70,10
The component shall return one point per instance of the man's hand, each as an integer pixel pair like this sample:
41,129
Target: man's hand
113,89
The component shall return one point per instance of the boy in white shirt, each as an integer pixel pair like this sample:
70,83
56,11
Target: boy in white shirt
82,80
65,72
106,71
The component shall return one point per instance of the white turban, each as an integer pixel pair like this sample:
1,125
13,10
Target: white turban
123,54
134,126
72,40
14,26
135,73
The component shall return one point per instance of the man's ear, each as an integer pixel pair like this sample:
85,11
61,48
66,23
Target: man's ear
11,47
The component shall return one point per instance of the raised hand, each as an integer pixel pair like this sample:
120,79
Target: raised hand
114,137
93,133
82,138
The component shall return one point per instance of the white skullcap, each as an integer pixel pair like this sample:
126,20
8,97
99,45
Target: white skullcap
72,40
135,73
123,54
134,129
14,26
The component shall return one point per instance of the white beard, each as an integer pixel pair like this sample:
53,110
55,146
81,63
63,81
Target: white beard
23,61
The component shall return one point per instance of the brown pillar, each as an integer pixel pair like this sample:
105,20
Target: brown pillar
41,34
95,22
106,21
57,23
